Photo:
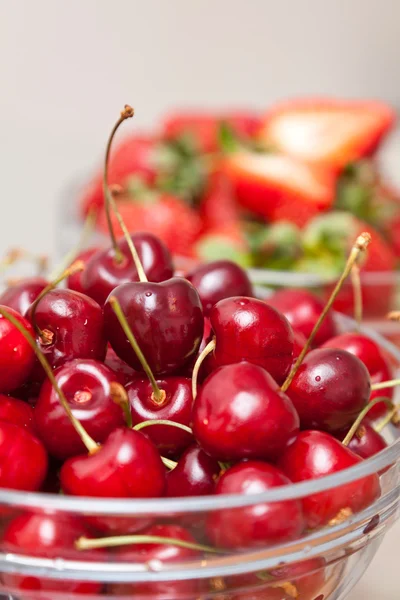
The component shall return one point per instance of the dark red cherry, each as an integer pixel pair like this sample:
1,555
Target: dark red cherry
23,458
86,385
103,273
166,319
128,465
176,406
16,355
258,524
249,329
124,372
19,296
330,389
299,341
47,535
218,280
17,411
73,326
74,281
367,442
314,454
378,365
302,309
240,412
195,474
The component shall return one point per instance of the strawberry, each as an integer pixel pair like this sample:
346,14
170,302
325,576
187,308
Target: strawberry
326,131
218,205
224,242
279,187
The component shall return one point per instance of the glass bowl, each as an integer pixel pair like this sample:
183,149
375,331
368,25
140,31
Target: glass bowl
323,564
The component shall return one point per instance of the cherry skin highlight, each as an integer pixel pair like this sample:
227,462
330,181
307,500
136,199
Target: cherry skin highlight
240,412
249,329
259,524
86,385
195,474
16,355
20,295
23,459
18,412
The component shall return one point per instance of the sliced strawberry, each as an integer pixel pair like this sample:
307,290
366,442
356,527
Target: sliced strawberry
218,206
331,132
279,187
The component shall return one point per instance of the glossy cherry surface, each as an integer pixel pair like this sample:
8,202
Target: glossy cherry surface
329,390
302,309
23,458
259,524
249,329
86,385
128,465
17,411
371,354
367,442
74,281
299,341
240,412
166,319
218,280
104,273
195,474
314,454
124,372
16,355
176,406
20,295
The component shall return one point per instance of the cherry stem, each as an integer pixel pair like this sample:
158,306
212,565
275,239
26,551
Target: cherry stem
86,234
359,246
353,429
89,442
385,384
125,114
84,543
170,464
200,359
357,294
158,395
150,422
16,254
74,268
119,396
386,420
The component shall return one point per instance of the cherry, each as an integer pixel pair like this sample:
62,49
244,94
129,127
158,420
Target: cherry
314,454
124,372
240,412
218,280
250,329
302,309
74,281
166,319
175,405
19,296
195,474
16,355
367,442
378,365
16,411
299,341
329,389
258,524
23,458
87,386
47,536
126,466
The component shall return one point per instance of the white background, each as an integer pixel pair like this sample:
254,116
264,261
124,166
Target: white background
67,67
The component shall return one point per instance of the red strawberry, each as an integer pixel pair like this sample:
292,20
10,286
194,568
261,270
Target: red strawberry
279,187
331,132
218,206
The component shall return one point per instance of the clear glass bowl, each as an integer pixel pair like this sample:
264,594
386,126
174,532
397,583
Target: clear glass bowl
323,564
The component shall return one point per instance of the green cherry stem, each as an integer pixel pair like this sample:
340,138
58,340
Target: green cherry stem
385,384
89,442
84,543
200,359
353,429
357,294
167,462
120,397
150,422
379,427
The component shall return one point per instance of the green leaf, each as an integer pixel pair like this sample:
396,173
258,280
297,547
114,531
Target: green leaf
228,140
217,247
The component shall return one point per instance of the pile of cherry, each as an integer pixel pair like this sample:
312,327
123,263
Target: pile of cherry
133,382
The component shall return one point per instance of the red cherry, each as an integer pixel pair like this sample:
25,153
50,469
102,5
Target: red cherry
47,536
195,474
175,406
249,329
329,389
20,295
302,309
378,365
240,412
367,442
299,341
103,273
126,466
74,281
86,385
166,319
258,524
16,411
124,372
23,458
16,355
218,280
314,454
